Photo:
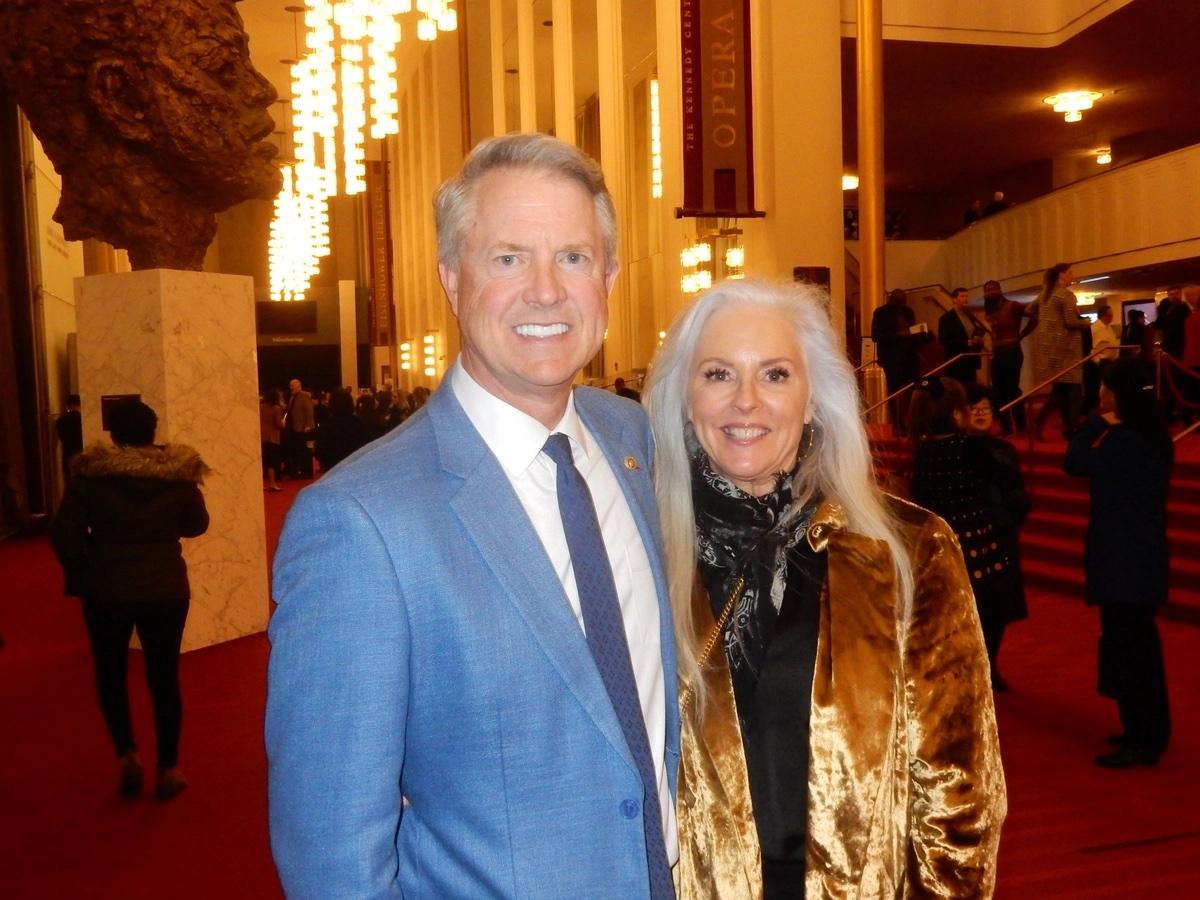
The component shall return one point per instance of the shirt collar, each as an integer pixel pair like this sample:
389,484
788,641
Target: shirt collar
514,438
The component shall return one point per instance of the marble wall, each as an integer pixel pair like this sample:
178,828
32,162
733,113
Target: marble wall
185,341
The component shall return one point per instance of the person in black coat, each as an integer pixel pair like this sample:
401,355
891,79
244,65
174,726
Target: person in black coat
342,433
1127,454
896,350
117,535
960,332
973,481
69,428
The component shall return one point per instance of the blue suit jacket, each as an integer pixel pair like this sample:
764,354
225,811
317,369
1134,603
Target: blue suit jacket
435,724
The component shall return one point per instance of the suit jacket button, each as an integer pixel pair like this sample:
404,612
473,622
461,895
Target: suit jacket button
629,809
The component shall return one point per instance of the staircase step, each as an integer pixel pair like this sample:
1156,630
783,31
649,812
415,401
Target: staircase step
1056,549
1055,524
1056,578
1052,549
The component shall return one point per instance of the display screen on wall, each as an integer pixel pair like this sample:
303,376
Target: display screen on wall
295,317
108,401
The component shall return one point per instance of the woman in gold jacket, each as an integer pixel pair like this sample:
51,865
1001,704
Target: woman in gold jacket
839,738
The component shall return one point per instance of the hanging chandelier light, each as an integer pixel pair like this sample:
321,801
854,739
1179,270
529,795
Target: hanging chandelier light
1073,104
347,79
343,87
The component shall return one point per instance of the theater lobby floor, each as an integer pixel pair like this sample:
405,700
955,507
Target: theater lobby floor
1073,830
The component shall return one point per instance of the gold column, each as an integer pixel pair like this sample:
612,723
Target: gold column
526,76
564,72
610,69
496,43
869,51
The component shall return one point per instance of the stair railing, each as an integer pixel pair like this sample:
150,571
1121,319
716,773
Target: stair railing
1036,390
1173,365
934,371
1187,432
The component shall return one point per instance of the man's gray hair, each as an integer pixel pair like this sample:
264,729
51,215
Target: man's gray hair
454,202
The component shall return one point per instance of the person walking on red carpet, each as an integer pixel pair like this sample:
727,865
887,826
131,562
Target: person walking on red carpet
1127,454
117,535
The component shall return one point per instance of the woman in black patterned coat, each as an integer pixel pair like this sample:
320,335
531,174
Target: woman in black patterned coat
977,488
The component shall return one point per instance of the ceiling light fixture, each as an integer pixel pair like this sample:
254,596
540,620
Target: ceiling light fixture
347,76
299,235
1103,156
1073,103
849,182
656,158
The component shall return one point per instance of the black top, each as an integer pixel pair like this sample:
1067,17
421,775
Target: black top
895,345
1126,555
118,527
774,720
975,484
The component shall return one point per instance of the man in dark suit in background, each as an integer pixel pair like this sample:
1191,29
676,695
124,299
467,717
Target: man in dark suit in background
69,429
896,350
623,391
960,332
299,427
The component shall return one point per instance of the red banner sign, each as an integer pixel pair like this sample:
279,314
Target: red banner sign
379,247
718,147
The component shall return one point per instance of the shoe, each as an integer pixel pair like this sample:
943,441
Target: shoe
130,784
274,490
1126,758
171,784
1117,740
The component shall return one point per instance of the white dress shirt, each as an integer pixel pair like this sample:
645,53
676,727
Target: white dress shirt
516,440
1104,338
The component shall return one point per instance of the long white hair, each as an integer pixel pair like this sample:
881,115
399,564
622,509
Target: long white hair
838,468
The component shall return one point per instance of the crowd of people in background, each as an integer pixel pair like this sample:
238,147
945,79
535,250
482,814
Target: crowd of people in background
325,426
302,427
1101,383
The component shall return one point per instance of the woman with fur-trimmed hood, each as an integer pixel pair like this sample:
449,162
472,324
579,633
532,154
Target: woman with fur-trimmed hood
117,535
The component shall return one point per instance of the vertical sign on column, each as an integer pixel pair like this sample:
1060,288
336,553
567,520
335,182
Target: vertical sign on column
718,145
379,248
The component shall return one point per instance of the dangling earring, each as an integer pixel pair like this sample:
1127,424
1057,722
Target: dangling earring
807,437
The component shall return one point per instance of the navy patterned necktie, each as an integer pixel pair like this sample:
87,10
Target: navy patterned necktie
606,639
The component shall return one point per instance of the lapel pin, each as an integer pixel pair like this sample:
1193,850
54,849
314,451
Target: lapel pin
630,462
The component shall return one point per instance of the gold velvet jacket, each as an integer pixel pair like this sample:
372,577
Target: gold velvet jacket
905,786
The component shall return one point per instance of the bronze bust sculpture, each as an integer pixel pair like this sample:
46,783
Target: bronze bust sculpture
151,112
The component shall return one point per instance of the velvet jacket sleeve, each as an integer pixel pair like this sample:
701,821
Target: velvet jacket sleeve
957,796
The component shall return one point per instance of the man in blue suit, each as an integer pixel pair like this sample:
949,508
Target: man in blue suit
449,713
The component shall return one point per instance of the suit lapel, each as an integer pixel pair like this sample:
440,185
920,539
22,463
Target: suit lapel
495,521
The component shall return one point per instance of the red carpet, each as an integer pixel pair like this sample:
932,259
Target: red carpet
1073,830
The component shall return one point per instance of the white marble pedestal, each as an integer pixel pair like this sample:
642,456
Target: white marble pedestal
185,341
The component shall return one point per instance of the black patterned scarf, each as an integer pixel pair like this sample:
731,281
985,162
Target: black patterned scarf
737,534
